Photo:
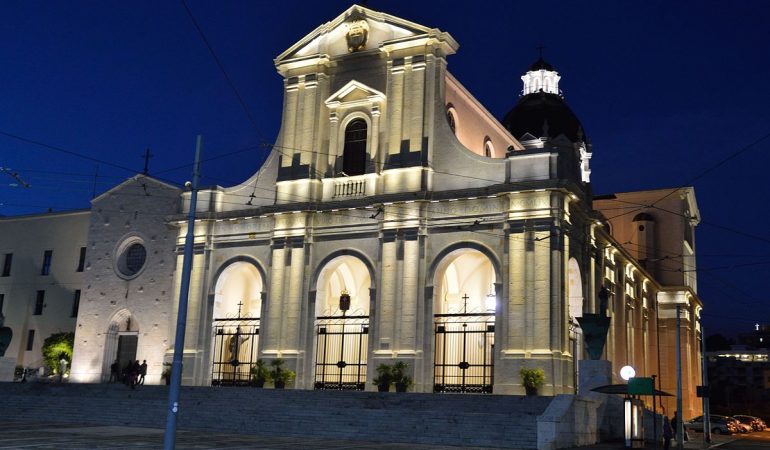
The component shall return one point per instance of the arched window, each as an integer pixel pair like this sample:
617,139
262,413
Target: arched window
489,150
354,153
450,118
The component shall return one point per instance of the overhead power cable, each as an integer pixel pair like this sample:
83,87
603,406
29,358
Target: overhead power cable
704,172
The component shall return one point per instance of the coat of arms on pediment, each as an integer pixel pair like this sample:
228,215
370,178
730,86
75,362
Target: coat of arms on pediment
358,33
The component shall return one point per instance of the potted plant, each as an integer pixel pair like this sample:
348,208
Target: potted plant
279,375
384,378
166,374
532,379
400,378
259,373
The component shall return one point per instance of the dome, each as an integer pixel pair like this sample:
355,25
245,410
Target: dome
543,115
540,64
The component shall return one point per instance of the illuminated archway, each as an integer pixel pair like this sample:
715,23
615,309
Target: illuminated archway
465,304
342,304
236,313
575,308
122,343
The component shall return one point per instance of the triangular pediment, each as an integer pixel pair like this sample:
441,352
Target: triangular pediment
139,179
355,91
331,38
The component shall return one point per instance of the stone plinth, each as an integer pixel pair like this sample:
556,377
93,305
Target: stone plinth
7,367
593,373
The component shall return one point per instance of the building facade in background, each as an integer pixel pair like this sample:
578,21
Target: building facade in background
395,220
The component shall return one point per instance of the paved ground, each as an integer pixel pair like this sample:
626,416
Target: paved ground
26,435
750,441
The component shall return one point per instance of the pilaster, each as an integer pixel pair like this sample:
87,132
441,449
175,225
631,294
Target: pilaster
386,308
408,310
270,341
291,303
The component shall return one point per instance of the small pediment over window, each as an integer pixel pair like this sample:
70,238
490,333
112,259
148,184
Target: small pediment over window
355,91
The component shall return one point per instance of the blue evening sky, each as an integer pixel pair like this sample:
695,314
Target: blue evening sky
665,90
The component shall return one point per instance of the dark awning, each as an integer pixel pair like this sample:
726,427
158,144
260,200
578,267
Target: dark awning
623,390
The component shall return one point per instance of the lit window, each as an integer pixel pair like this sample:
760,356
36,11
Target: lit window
354,152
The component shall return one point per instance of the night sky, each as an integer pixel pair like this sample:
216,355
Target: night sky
665,90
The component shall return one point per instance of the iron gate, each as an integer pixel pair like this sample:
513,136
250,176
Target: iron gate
464,352
235,351
341,346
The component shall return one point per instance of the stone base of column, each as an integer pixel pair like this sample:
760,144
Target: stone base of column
7,368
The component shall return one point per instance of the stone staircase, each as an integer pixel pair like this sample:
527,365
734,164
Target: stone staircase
448,419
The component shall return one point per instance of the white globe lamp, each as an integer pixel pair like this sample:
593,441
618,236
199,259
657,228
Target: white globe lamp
627,372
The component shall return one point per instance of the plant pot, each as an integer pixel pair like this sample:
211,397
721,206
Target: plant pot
280,384
383,387
401,387
257,383
531,390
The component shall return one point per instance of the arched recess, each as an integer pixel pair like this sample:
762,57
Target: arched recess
465,291
575,285
236,310
122,342
342,297
575,308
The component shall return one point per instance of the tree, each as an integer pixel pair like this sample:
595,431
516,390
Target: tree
56,347
717,342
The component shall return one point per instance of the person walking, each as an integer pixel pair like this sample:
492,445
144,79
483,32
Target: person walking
674,421
142,372
668,433
133,373
114,369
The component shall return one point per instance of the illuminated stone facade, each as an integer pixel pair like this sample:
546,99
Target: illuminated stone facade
388,183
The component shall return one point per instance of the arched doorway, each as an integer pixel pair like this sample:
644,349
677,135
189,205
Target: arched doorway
465,303
342,324
122,343
575,296
237,310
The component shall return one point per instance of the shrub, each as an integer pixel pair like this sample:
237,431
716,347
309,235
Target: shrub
532,378
56,347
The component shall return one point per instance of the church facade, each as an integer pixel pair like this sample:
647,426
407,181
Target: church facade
395,220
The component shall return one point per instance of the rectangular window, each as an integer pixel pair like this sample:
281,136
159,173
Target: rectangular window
75,303
82,260
46,262
30,339
7,264
2,302
39,302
